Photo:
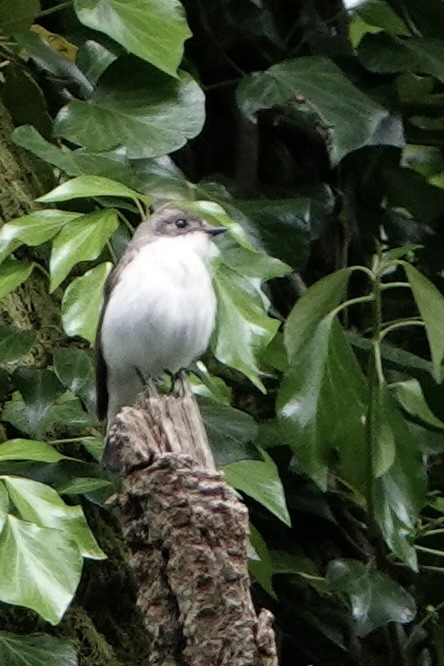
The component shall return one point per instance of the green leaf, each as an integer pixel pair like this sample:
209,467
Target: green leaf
93,58
15,343
40,568
410,396
261,569
284,227
430,304
161,178
243,327
260,480
321,406
82,301
29,449
4,504
81,240
91,186
12,274
251,264
135,106
317,302
154,30
82,486
39,389
75,369
399,494
230,432
311,77
20,18
375,598
387,54
51,60
384,450
42,505
38,650
33,229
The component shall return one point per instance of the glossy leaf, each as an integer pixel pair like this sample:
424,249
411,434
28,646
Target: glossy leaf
39,389
154,30
310,77
430,304
375,598
81,240
40,568
136,106
42,505
15,343
37,650
261,569
91,186
4,504
260,479
82,301
33,229
410,396
12,274
230,432
321,405
317,302
20,18
28,449
386,54
399,494
244,329
75,369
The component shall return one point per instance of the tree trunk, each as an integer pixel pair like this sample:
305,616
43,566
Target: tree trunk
187,533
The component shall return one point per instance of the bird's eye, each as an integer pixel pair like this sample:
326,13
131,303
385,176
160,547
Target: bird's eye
181,224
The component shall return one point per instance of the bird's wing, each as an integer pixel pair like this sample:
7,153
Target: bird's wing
101,367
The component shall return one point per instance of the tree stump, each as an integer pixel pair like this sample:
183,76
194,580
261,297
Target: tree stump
187,534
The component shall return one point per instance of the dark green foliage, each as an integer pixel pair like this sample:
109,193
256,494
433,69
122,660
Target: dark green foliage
315,135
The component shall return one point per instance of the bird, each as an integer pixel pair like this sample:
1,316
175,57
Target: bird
158,312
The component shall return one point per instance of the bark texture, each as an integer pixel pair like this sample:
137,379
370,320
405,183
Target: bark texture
187,533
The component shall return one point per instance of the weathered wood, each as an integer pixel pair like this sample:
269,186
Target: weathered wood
187,533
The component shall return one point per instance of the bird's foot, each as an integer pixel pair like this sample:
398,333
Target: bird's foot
148,383
181,385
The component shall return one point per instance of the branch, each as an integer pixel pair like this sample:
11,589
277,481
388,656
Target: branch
187,534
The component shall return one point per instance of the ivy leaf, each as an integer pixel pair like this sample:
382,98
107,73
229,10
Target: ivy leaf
38,650
40,568
91,186
375,598
387,54
136,106
75,369
410,396
15,343
20,19
230,432
310,77
42,505
244,329
321,406
430,304
154,30
82,301
81,240
260,479
33,229
261,569
399,494
4,505
12,274
39,389
317,302
29,449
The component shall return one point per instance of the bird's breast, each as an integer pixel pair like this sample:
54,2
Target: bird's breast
161,313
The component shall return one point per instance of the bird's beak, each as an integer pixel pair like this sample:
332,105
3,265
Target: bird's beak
214,231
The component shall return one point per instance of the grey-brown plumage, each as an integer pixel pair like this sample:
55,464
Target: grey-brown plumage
159,307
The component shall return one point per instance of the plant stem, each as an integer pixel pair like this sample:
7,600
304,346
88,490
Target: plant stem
375,378
400,324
